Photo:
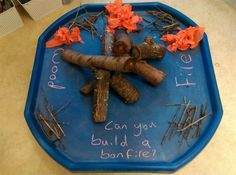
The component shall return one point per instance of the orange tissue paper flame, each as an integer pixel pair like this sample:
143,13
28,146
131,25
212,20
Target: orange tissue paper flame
64,36
184,39
121,17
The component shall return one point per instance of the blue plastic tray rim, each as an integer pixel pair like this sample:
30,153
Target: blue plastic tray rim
120,166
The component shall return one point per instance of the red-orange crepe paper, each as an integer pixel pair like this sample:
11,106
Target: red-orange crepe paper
121,17
184,39
64,36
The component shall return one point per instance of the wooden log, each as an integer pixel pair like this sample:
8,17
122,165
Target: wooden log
119,64
148,50
122,45
99,61
148,72
127,92
101,95
88,88
107,43
124,89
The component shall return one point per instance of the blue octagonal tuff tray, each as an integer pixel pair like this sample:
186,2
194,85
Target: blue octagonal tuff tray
130,138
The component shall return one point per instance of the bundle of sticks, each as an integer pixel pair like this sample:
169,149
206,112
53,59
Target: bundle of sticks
49,123
87,23
164,22
186,123
120,56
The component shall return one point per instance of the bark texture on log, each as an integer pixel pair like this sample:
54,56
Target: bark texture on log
148,72
101,95
107,43
101,89
119,64
99,61
124,89
122,45
148,50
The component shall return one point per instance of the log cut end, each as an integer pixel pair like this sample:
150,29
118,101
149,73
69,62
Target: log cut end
124,89
88,88
148,72
148,50
123,45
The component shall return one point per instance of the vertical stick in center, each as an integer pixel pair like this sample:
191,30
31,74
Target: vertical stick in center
101,90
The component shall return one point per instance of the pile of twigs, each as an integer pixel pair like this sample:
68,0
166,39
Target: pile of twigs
87,23
164,22
49,124
188,123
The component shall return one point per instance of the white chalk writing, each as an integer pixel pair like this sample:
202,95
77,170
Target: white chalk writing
129,154
112,141
111,125
54,70
146,143
186,59
140,127
124,138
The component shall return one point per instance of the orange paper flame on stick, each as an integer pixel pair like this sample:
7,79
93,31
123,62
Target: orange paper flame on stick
64,36
184,39
121,17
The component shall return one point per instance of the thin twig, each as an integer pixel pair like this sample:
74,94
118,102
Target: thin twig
46,105
76,16
203,112
193,119
191,124
49,120
183,114
62,108
47,134
54,119
47,124
170,125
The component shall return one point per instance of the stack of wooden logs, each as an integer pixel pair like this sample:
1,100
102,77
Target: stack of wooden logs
119,56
